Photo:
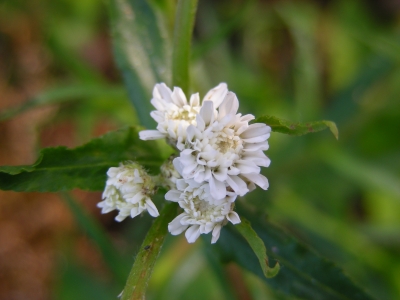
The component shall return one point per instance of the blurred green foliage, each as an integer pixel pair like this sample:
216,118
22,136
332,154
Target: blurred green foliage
298,60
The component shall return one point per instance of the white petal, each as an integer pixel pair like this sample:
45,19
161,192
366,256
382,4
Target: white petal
257,139
256,133
258,157
258,179
151,135
192,133
175,227
157,116
233,217
246,167
151,208
106,210
160,105
216,233
178,165
217,189
217,94
161,90
247,118
135,199
230,105
207,112
120,218
200,124
135,211
178,97
193,233
195,100
200,176
173,195
221,174
181,184
257,146
237,184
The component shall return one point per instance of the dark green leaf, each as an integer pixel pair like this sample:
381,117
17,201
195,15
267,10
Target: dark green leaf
141,51
257,245
297,128
85,167
93,229
184,22
303,274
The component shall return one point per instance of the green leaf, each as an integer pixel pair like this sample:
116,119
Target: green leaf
93,229
184,22
62,94
303,273
258,247
297,128
85,167
141,51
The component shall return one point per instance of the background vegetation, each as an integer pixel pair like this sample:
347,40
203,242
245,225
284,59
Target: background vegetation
298,60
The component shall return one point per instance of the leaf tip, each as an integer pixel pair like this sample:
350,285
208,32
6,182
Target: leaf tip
333,128
272,272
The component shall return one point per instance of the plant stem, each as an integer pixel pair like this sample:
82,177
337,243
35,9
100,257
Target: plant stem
184,21
142,268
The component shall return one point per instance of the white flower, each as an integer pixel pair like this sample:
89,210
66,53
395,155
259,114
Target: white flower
224,150
174,114
128,189
201,214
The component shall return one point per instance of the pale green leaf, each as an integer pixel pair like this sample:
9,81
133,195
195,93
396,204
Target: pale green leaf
258,247
141,51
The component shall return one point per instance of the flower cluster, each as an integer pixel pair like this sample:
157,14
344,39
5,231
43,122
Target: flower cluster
220,155
128,189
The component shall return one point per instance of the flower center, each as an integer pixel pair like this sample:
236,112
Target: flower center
187,114
227,143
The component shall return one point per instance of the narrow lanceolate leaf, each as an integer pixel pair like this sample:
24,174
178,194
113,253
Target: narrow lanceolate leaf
141,50
303,273
184,22
257,245
297,128
97,235
85,167
62,94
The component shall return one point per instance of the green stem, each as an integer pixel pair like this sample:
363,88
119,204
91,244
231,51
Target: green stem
184,21
142,268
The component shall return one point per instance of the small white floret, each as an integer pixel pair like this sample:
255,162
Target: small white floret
128,190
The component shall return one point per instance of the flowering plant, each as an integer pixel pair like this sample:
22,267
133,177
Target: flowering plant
192,172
